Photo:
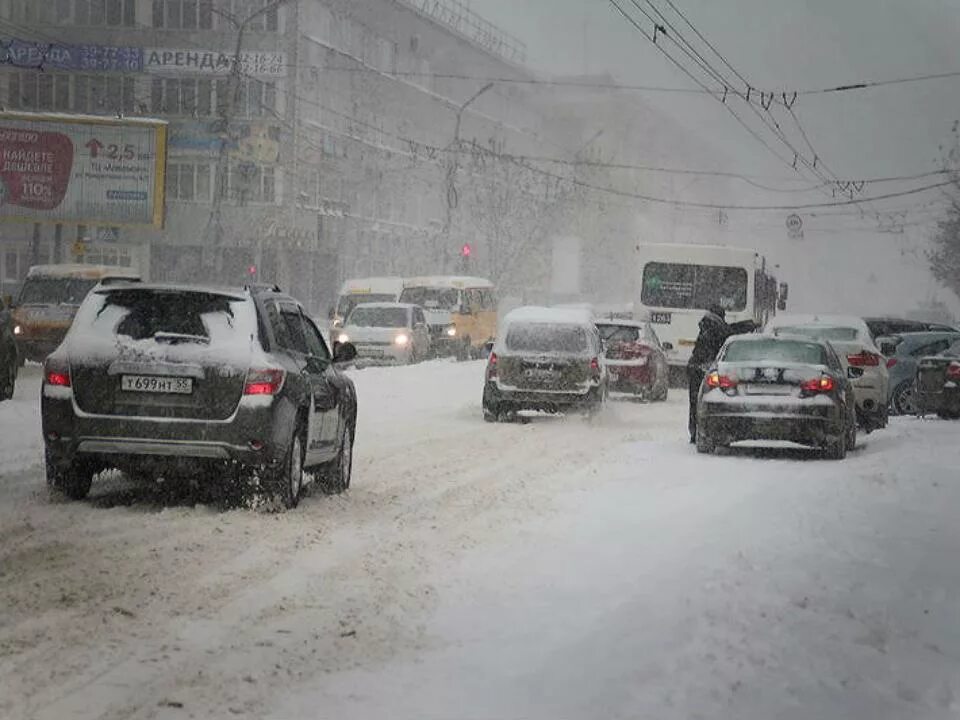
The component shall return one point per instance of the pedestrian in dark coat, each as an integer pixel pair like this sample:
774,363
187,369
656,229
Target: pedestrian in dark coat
714,332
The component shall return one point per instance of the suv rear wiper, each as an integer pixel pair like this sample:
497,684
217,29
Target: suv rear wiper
174,338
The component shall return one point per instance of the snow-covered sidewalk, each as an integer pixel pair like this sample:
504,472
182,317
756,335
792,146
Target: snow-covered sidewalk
562,568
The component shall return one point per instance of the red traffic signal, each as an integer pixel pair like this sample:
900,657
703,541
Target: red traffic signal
466,250
252,270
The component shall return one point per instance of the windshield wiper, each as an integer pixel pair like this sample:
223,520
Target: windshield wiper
175,338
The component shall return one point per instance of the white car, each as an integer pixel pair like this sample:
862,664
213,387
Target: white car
862,359
388,332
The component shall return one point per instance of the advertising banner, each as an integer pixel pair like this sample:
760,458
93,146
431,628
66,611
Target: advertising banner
82,169
60,56
214,62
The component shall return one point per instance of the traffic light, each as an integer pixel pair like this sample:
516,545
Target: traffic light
466,250
465,253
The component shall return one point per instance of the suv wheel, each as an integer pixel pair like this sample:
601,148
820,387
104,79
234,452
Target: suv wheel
73,481
336,474
705,443
286,482
836,448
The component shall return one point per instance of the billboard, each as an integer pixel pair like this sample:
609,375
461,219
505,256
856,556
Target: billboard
82,169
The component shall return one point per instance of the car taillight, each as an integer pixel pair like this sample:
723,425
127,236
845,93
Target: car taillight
492,366
953,371
56,373
724,382
264,382
595,367
824,383
864,359
891,362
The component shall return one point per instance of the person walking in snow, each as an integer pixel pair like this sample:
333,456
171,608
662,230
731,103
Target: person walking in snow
714,331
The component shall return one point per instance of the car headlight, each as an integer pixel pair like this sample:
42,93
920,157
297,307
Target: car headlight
401,340
17,330
451,331
343,338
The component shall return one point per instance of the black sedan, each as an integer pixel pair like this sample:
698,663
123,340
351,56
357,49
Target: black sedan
777,388
225,387
938,383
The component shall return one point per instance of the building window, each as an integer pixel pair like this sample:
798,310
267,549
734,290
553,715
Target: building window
100,13
11,266
256,98
243,9
252,183
183,14
184,96
188,181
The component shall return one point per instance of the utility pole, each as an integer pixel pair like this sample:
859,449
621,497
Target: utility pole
451,197
213,234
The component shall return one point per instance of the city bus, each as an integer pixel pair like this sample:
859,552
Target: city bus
679,282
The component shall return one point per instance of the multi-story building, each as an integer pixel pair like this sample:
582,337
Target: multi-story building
356,137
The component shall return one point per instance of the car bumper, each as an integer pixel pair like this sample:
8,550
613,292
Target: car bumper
255,435
946,399
383,353
630,378
731,422
495,395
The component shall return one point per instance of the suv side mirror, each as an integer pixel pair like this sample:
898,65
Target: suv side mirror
344,352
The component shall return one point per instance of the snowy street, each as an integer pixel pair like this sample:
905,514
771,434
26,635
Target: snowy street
563,568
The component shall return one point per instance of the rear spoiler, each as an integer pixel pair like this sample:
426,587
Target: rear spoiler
119,280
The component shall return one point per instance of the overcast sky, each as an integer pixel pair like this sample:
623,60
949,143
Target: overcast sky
787,45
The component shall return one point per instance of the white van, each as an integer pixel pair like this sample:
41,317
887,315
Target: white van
359,291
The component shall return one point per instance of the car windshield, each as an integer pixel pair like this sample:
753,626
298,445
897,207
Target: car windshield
546,338
683,286
619,333
55,290
431,298
821,332
777,351
349,302
366,316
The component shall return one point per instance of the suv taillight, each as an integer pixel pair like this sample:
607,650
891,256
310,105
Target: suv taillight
953,371
864,359
595,368
56,372
492,366
264,382
824,383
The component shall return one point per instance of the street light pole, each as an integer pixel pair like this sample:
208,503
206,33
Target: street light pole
214,228
451,198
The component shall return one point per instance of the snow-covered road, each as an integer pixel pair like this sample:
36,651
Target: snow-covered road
559,569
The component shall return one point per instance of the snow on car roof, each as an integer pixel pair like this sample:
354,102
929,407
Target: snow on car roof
620,322
851,321
382,305
551,315
372,284
447,281
81,270
230,292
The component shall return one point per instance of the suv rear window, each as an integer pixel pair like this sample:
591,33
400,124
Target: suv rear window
619,333
546,338
776,351
170,317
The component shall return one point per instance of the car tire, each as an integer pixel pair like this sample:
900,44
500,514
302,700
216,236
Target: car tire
9,383
904,400
286,482
73,481
337,473
836,448
491,415
705,443
852,436
948,414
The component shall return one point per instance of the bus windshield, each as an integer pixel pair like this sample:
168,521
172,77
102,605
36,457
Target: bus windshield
694,287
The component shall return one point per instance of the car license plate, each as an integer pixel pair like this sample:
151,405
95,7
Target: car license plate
541,374
661,318
768,389
156,384
372,352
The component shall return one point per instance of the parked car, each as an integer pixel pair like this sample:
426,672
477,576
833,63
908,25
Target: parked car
777,387
222,386
887,326
938,383
903,355
545,359
635,360
9,355
861,358
387,332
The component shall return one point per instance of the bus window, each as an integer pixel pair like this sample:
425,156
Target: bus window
695,287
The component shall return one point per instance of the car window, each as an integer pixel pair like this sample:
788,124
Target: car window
487,301
821,332
650,336
294,337
547,338
379,317
474,300
418,317
933,348
789,351
316,347
833,360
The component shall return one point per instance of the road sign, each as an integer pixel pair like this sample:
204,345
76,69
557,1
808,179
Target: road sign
794,226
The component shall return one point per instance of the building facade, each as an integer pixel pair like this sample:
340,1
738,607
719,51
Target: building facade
354,138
